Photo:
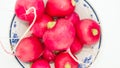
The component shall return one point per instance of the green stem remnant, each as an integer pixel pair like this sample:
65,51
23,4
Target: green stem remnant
73,2
51,24
94,32
67,65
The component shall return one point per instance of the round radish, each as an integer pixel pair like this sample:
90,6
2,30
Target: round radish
60,36
48,55
74,18
60,8
88,31
64,60
29,49
40,25
41,63
76,46
22,6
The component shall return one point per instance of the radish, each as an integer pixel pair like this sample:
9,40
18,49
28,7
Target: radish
60,8
64,60
74,18
29,46
60,35
40,25
76,46
57,36
88,31
41,63
22,6
48,55
29,49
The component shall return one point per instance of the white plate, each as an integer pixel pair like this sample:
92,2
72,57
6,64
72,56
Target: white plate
84,9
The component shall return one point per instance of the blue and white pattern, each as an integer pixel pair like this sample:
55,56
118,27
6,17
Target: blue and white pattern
14,39
85,10
76,1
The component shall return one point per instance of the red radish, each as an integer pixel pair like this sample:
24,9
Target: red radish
59,37
22,6
29,49
76,46
74,18
88,31
40,25
60,8
48,55
41,63
64,60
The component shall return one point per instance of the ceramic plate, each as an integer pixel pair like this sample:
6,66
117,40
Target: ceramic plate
86,56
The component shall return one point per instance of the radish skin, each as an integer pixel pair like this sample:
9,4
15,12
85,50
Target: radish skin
29,49
60,37
64,60
22,6
40,63
60,8
40,25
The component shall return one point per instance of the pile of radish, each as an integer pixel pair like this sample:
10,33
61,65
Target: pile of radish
57,35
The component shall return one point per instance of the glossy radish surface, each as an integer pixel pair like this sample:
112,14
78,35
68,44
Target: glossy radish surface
61,36
29,49
41,63
48,55
64,60
73,17
76,46
22,6
60,8
88,31
40,25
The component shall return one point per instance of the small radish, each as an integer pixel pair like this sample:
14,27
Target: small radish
41,63
88,31
60,8
64,60
60,35
48,55
29,49
40,26
22,6
74,18
76,46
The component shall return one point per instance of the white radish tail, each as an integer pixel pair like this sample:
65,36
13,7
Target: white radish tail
27,12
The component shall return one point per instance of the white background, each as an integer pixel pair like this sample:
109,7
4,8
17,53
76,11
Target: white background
109,14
